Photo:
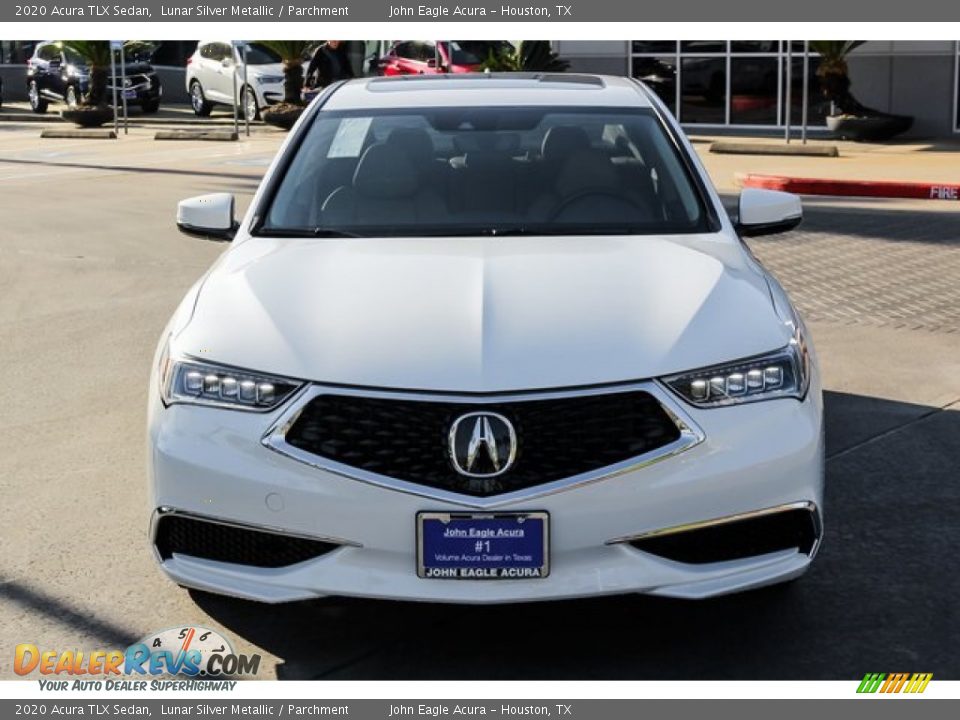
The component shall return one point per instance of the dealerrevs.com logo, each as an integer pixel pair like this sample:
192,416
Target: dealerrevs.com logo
894,683
189,651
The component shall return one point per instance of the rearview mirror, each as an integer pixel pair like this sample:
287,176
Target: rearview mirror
208,216
767,212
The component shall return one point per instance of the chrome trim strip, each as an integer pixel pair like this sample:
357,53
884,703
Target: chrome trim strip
690,436
165,511
700,525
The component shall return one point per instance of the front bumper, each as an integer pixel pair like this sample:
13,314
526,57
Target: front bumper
211,463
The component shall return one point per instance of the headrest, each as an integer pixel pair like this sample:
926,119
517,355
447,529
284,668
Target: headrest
561,141
415,142
586,170
385,171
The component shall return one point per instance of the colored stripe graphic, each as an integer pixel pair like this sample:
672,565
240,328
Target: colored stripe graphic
919,682
871,682
894,683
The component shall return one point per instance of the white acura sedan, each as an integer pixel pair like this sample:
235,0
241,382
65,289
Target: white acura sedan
485,339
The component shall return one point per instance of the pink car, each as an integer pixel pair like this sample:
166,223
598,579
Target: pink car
430,57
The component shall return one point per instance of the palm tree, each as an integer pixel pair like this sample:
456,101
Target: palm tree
527,56
292,53
834,74
96,56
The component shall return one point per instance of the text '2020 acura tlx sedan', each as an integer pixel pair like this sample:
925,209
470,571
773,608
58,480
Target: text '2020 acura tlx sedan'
481,339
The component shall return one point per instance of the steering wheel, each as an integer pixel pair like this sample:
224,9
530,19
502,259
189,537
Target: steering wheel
616,195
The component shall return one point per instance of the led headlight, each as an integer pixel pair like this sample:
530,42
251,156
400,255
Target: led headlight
784,373
191,382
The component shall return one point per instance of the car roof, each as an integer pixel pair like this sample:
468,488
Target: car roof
488,89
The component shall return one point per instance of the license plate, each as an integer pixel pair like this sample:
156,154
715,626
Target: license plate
130,94
483,546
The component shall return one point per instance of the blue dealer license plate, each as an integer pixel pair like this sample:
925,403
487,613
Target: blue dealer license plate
483,546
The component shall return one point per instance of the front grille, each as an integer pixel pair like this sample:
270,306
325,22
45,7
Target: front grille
226,543
556,438
736,539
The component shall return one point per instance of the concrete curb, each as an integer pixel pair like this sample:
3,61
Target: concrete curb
747,148
79,134
135,120
19,117
216,135
853,188
201,122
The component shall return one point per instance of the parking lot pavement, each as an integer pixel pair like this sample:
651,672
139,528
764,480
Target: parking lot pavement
91,266
903,160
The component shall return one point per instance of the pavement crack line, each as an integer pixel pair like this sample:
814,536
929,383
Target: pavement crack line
953,404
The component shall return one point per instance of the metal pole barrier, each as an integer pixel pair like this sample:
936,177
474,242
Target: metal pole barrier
123,79
246,89
113,75
806,91
233,70
789,100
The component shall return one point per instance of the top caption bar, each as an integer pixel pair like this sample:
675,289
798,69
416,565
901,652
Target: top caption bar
495,11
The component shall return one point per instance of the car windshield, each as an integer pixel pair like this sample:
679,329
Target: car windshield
258,54
73,58
474,52
485,170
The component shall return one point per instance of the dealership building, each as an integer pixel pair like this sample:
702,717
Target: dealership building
712,85
731,86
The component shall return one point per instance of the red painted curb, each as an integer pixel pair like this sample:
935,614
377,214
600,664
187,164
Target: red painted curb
854,188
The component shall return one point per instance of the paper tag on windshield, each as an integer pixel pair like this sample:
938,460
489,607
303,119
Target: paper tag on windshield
348,142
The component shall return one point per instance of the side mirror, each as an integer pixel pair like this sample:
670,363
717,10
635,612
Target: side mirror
208,216
767,212
227,62
431,62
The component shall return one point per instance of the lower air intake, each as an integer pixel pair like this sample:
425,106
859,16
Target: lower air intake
790,529
177,534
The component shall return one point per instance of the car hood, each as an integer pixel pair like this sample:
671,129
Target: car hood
267,69
481,314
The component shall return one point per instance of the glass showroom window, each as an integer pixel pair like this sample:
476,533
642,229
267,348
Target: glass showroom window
738,83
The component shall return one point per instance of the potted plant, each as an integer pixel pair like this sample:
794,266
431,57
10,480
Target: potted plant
849,119
526,56
292,54
94,107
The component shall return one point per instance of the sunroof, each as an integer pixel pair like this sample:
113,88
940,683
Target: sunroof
500,78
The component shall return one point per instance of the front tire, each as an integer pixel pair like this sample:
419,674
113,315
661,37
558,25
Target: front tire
198,101
72,97
149,107
37,103
248,101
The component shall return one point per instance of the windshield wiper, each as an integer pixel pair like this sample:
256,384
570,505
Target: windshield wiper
317,232
547,230
335,233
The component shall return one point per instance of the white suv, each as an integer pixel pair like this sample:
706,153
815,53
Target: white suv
210,77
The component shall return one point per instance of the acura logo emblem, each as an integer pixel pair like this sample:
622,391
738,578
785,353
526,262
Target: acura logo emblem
482,444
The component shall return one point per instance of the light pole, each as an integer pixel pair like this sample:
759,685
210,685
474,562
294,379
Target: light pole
789,99
806,90
114,44
123,93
